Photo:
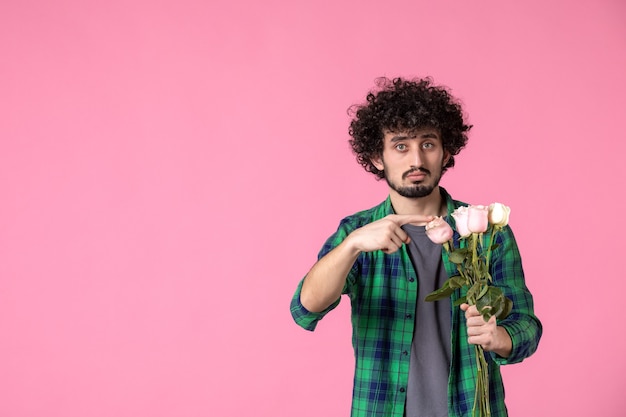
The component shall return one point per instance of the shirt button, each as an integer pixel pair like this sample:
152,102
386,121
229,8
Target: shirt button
405,353
401,389
411,279
408,316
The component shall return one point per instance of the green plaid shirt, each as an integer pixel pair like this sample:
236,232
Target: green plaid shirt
383,293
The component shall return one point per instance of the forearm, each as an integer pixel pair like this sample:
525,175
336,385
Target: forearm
325,281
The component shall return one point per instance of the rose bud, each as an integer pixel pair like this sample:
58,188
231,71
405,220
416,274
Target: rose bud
439,231
499,214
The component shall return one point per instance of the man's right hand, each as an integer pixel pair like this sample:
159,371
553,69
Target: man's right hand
385,234
325,281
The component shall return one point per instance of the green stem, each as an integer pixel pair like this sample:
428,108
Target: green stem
482,384
477,399
472,274
475,269
492,237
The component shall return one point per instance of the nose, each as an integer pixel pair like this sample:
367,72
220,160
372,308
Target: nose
416,157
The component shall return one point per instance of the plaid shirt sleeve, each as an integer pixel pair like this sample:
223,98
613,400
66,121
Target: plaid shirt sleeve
522,325
307,319
304,318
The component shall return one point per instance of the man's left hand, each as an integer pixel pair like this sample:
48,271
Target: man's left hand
486,333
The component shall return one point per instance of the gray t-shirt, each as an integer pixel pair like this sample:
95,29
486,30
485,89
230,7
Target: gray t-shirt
427,390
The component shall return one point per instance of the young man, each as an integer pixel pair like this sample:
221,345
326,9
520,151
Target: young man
413,358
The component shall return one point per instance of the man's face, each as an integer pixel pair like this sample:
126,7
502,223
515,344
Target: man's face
412,161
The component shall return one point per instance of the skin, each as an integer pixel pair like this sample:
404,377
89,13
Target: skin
486,333
412,162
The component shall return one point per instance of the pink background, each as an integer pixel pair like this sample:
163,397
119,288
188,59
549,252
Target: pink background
169,170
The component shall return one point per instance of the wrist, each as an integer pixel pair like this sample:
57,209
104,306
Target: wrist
505,344
350,246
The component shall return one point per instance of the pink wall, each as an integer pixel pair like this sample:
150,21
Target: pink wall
169,170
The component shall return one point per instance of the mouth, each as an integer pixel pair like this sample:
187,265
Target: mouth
416,175
416,178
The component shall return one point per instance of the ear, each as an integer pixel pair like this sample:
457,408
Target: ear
377,161
446,158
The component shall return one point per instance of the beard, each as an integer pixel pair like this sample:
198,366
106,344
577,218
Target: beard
417,189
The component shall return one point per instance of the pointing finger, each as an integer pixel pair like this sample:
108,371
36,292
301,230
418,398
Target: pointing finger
416,219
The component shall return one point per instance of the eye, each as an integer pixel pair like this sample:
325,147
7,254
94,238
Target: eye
401,147
428,145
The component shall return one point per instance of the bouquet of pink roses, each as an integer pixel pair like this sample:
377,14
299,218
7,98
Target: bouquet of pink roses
474,224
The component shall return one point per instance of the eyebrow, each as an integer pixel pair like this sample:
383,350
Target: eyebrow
399,138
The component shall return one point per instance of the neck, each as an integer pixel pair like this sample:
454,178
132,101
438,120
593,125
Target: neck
431,205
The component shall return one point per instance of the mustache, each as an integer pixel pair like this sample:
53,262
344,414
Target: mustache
409,172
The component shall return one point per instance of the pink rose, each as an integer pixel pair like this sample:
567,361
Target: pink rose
460,216
478,219
439,231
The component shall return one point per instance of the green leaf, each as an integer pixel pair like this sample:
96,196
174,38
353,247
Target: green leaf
494,303
473,291
506,310
482,292
482,267
458,256
460,301
444,292
447,288
486,312
456,281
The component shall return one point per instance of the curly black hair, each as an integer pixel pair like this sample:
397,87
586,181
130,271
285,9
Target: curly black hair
405,105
